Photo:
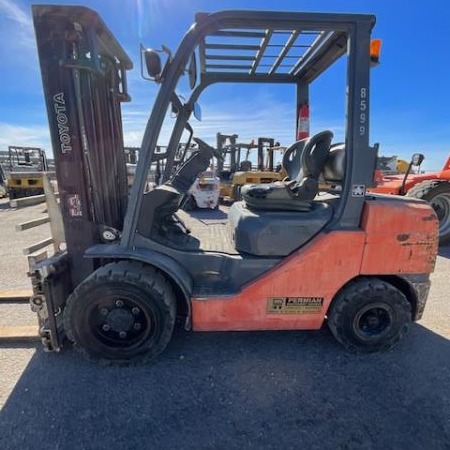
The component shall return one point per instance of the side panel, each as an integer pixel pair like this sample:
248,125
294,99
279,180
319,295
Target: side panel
316,272
403,233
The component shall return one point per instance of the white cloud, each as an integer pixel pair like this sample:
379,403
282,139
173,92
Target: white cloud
17,25
33,135
262,117
14,12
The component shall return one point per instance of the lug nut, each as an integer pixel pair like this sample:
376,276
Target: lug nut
119,303
135,311
122,335
104,312
137,326
106,327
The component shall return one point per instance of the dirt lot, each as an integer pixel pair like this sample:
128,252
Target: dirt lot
222,391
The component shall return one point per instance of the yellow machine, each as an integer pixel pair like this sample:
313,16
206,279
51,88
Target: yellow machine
402,166
26,168
392,165
244,171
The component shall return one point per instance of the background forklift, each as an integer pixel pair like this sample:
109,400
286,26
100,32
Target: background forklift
3,185
155,173
25,169
292,258
242,169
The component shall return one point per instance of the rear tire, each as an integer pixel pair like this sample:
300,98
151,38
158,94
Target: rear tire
437,194
122,314
369,315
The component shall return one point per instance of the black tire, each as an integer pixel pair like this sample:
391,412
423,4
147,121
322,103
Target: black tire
122,314
437,194
369,315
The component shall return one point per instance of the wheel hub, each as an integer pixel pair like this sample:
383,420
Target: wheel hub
120,322
120,319
373,322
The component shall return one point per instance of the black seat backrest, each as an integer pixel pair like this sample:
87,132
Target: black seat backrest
313,161
292,159
296,194
245,166
334,168
314,156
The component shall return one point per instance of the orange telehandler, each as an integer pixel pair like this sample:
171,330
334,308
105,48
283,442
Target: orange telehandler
433,187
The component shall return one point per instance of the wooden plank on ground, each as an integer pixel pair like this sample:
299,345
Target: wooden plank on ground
38,246
22,333
15,295
27,201
32,223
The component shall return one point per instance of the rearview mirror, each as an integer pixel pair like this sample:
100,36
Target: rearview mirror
417,159
153,63
197,112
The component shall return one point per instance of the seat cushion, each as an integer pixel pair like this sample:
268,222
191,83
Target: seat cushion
273,197
275,233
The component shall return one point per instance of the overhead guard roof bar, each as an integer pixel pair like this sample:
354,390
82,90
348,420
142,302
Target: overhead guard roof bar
292,38
261,50
233,54
317,43
247,34
325,53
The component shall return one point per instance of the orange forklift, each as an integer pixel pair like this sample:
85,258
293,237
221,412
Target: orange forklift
294,256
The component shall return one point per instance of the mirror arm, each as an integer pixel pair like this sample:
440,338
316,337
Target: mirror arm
408,171
177,103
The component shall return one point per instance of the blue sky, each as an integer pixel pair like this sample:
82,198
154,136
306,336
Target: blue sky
410,91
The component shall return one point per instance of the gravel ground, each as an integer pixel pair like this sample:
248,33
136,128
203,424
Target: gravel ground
227,390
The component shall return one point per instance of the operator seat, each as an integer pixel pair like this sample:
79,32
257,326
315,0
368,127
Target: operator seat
245,166
297,193
268,223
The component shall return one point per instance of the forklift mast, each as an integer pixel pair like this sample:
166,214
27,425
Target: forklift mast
265,143
83,71
221,143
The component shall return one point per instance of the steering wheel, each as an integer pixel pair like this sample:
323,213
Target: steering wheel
203,146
